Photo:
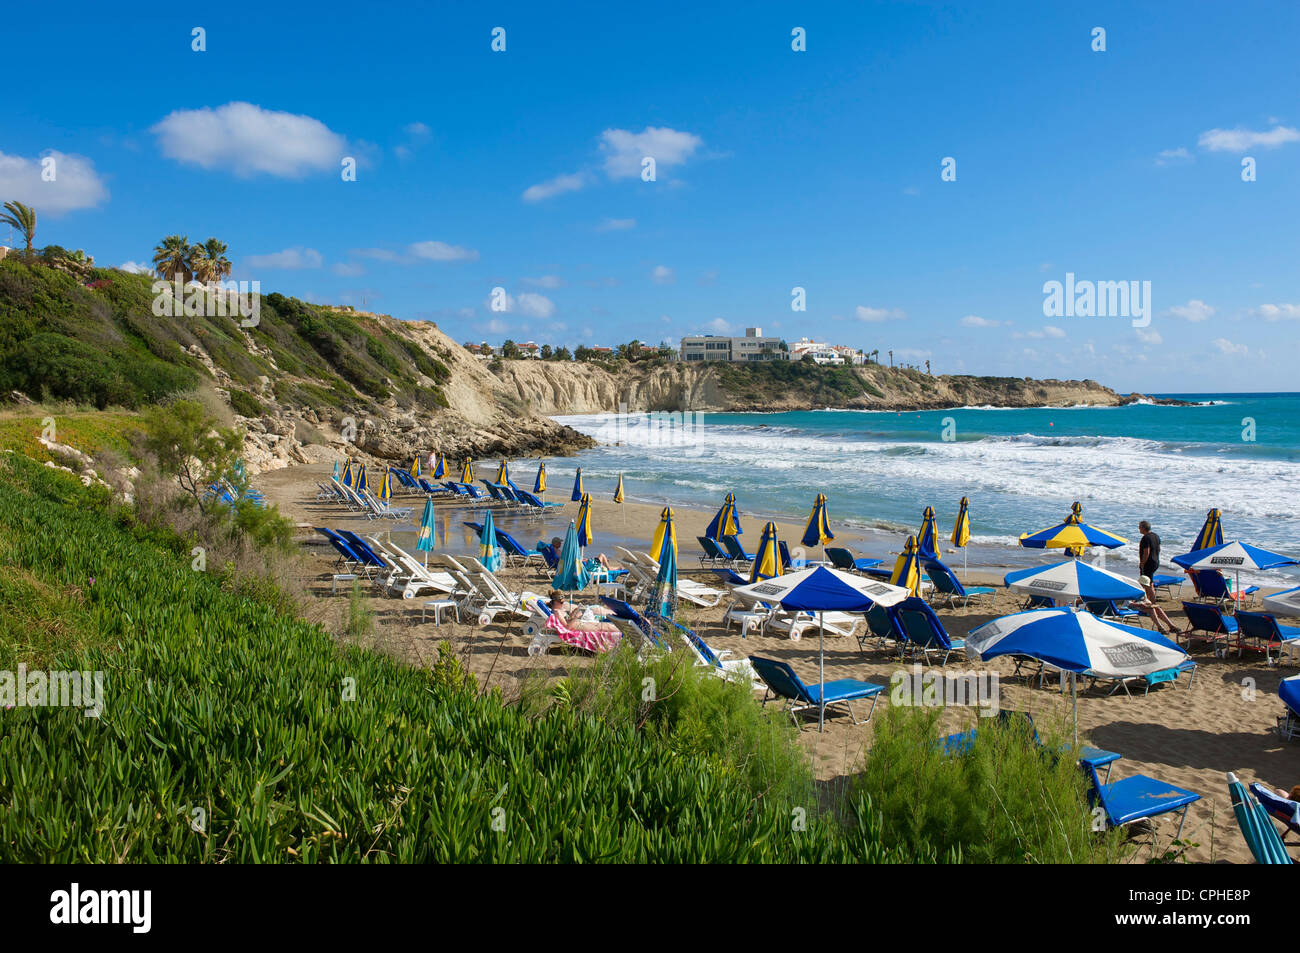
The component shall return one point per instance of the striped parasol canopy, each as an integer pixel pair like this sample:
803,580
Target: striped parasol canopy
1072,535
818,530
767,561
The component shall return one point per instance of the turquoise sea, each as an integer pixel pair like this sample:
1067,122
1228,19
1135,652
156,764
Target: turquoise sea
1021,468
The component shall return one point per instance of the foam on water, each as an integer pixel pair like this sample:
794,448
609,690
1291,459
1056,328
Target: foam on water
1021,468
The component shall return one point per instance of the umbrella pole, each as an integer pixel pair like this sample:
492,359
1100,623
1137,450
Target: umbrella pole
1074,695
821,671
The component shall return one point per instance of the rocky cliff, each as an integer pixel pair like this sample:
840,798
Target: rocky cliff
564,388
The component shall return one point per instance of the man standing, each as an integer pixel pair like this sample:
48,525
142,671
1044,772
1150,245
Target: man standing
1148,550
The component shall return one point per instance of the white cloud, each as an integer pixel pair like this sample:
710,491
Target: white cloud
1278,312
556,186
535,305
290,258
441,251
1038,334
662,275
1227,347
876,315
1241,140
975,321
545,281
1149,336
1195,311
249,140
348,269
416,130
136,267
616,224
76,184
719,326
1171,156
624,149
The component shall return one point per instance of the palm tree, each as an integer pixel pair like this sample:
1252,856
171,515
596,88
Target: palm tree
209,261
23,218
172,258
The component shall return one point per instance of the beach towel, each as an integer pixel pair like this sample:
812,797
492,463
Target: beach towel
581,638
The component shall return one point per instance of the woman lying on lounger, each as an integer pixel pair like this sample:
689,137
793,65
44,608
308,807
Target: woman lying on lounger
571,616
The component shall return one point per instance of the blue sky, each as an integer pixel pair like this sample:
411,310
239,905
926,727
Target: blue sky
775,169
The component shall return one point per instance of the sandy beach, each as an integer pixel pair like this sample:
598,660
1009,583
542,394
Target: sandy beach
1186,735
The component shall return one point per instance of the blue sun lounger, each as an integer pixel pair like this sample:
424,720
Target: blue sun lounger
782,682
1219,630
713,553
844,559
1212,584
1167,582
962,742
347,555
883,626
923,631
735,552
623,610
787,563
1266,632
949,587
1137,798
367,552
1110,609
730,576
530,500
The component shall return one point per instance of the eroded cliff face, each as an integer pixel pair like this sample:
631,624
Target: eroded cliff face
554,388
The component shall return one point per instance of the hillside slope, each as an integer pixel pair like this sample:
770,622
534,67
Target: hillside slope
299,379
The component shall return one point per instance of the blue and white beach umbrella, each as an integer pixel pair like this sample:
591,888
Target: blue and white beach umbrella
1073,579
1235,556
819,590
1075,641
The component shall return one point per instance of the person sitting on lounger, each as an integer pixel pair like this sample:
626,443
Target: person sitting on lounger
592,563
572,616
1147,606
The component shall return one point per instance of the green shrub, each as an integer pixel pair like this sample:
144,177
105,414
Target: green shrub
245,404
1005,800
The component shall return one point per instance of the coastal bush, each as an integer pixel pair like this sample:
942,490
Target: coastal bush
245,404
692,713
234,733
1005,800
